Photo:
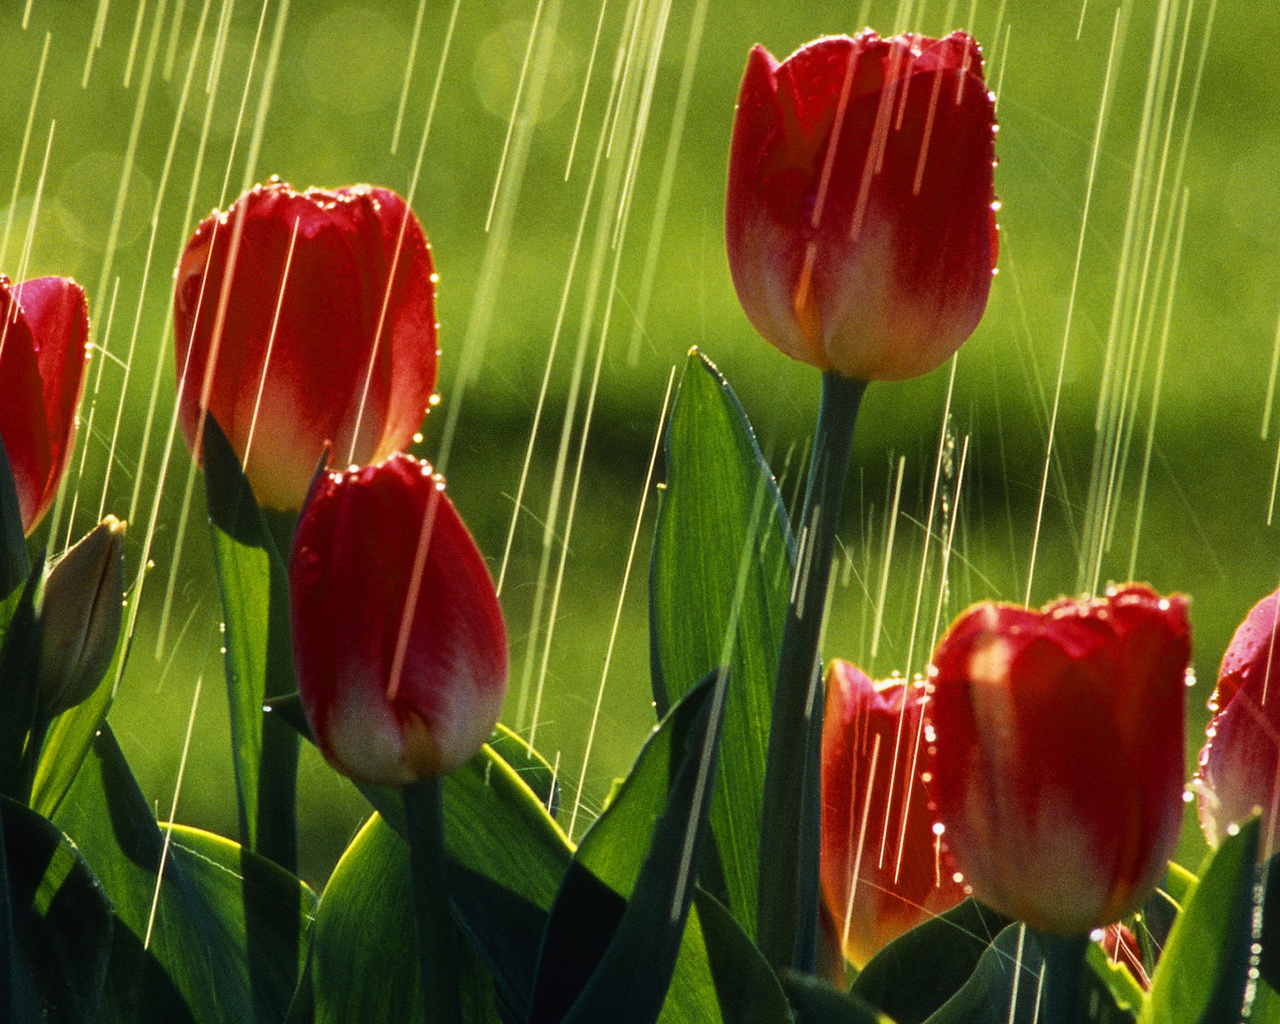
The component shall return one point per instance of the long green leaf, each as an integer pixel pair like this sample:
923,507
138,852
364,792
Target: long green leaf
1204,967
721,568
192,962
364,967
814,1001
922,968
19,667
746,987
61,920
597,945
252,582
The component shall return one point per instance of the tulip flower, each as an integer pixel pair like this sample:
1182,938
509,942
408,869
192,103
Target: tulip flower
860,219
1059,753
880,874
80,614
1121,947
44,349
306,318
1240,763
398,641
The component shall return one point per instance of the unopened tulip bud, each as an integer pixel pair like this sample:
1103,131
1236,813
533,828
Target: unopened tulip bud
398,641
1059,753
80,615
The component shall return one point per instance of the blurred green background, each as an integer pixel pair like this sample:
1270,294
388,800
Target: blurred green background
108,95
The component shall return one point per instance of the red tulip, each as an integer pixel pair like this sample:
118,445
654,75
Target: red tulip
324,332
880,875
1240,763
44,349
1059,753
860,215
392,695
1121,947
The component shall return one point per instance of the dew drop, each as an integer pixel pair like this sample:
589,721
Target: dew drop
938,828
930,735
1233,829
434,400
417,438
1187,796
926,777
310,570
1190,677
996,205
1097,935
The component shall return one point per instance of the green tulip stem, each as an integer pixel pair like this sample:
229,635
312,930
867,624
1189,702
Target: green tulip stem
276,835
1062,990
437,937
788,889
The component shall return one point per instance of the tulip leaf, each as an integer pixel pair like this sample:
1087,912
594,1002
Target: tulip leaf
19,668
364,966
618,923
1123,987
532,767
1269,961
1265,1008
14,563
814,1001
719,580
506,858
921,969
226,939
1003,986
253,583
61,922
746,987
1203,969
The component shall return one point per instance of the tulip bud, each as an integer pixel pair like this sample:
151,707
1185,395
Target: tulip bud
1240,762
882,866
1121,947
1059,753
44,349
325,332
859,218
80,615
401,675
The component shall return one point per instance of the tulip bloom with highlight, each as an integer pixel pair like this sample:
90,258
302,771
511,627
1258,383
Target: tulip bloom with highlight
1059,753
401,675
44,349
881,874
1240,763
322,329
860,215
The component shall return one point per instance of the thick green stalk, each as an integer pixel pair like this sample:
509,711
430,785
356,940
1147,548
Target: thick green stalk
788,894
1061,992
438,962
